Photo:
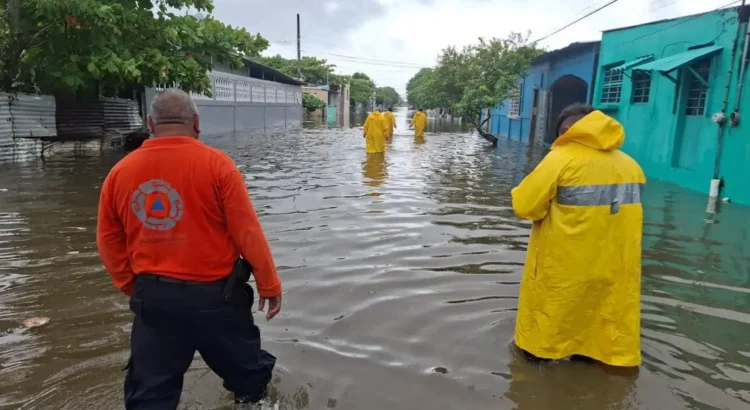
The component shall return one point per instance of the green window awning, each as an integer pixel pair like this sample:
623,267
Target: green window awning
668,64
632,63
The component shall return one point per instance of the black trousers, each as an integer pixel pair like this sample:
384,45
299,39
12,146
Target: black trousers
175,319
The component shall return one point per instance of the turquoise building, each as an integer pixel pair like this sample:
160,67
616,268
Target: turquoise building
678,91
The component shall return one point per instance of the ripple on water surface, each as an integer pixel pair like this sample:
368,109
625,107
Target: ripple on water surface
401,275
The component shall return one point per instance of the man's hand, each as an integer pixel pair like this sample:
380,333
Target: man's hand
274,306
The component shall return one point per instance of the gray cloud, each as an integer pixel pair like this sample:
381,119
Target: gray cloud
329,20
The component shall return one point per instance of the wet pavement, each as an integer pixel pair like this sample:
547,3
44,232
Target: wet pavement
401,278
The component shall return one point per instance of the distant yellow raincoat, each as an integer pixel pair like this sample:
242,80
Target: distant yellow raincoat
580,292
419,122
391,123
375,130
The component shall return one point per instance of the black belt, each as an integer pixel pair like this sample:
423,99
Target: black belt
165,279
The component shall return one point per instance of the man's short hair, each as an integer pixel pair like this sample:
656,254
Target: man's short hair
574,110
172,106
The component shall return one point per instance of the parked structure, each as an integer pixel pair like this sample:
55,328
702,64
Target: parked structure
250,98
555,80
664,81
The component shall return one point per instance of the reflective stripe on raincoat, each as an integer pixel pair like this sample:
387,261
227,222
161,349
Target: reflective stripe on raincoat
375,131
419,122
580,292
391,123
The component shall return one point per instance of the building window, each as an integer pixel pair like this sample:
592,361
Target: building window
611,86
514,105
697,89
641,87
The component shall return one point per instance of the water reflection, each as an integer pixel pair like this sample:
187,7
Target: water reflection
374,169
401,273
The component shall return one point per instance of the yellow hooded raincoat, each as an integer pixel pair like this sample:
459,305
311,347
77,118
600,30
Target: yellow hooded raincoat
580,292
391,123
419,122
375,131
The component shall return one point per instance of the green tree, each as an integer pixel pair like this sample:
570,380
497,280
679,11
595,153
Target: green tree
108,45
314,70
476,77
419,88
387,96
312,103
362,88
493,68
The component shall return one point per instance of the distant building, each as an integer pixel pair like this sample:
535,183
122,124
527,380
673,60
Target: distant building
555,80
322,94
664,81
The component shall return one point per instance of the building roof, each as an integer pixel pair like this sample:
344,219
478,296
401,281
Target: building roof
570,49
742,11
258,70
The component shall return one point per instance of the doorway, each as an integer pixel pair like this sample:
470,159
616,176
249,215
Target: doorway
565,91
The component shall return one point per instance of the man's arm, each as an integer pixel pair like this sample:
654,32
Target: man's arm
532,197
112,242
246,231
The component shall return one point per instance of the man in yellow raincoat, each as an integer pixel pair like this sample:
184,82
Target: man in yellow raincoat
580,292
419,122
391,122
375,131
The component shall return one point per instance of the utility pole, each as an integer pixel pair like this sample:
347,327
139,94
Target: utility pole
299,51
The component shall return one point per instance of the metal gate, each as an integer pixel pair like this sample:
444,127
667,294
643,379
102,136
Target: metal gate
542,112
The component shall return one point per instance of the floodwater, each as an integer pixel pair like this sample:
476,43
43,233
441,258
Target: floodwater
401,276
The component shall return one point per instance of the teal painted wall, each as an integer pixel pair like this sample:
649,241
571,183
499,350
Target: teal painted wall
668,144
332,114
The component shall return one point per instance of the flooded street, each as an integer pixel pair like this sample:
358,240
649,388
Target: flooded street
401,278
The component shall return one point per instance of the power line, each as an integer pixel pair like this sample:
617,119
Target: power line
575,21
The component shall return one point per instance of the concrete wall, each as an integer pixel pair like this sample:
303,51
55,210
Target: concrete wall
241,103
543,76
669,143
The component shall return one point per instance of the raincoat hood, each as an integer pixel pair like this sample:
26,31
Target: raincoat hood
596,130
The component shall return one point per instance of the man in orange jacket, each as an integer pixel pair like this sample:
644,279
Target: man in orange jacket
174,216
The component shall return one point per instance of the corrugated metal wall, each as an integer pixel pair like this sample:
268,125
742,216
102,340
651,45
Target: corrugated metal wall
101,118
25,119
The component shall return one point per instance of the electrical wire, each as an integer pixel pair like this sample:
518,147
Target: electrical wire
575,21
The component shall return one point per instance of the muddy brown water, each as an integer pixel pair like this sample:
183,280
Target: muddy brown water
401,277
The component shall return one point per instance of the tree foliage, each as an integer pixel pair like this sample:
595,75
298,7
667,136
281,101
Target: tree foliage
113,44
314,70
362,88
312,103
387,96
476,77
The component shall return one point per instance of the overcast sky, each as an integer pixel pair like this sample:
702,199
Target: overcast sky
391,39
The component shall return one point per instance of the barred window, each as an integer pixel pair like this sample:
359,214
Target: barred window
641,87
611,86
697,89
298,97
514,105
242,90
